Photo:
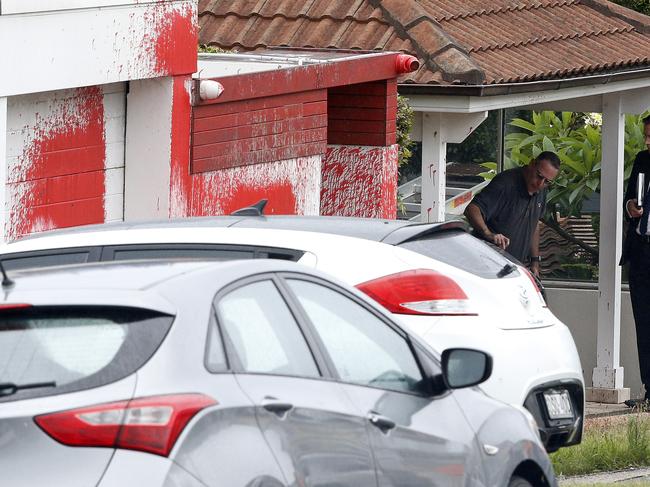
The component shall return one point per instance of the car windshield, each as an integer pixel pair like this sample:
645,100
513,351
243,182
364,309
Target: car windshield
74,347
464,251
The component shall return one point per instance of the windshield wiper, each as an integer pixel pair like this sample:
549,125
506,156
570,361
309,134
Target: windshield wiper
9,388
506,269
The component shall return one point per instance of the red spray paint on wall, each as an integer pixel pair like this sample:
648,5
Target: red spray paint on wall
172,40
59,178
360,182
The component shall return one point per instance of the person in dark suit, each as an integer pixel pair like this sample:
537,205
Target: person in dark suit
636,253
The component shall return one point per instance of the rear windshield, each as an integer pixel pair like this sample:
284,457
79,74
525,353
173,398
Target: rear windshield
67,349
461,250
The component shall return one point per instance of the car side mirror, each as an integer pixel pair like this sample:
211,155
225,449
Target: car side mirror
465,367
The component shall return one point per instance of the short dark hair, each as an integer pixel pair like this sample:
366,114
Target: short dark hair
549,156
646,120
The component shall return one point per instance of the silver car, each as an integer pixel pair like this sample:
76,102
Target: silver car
242,373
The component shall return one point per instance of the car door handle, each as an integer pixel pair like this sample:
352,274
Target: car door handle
275,406
381,422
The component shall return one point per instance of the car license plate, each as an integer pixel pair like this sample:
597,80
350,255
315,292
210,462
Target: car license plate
558,404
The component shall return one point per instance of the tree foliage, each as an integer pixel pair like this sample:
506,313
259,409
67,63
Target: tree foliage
576,138
642,6
404,125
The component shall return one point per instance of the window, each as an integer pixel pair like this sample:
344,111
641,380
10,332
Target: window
263,332
30,260
363,348
75,347
461,250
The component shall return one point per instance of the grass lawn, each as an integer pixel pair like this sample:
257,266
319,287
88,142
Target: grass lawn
611,443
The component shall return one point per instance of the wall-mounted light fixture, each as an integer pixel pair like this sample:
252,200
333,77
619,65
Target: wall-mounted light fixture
210,89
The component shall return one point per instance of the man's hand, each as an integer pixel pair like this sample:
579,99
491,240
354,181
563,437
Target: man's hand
534,268
498,239
634,210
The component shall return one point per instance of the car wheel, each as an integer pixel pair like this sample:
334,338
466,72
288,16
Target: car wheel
519,482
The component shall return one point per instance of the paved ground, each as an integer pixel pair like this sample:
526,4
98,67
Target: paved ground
631,477
597,409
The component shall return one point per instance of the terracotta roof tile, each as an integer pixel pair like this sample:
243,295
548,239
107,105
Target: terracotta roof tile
458,41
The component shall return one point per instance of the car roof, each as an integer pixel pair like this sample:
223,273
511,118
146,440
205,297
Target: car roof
379,230
136,275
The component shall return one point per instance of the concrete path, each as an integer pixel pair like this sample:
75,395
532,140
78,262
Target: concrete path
630,477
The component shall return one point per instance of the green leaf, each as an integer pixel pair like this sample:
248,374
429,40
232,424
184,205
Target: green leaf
593,183
492,166
523,124
548,145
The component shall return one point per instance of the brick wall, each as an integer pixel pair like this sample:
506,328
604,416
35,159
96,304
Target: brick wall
65,153
362,114
242,133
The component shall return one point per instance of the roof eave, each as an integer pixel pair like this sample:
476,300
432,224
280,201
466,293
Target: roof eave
523,87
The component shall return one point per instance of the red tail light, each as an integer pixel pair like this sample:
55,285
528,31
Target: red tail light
418,292
149,424
534,281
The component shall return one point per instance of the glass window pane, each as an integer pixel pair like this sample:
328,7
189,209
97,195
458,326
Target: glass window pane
263,331
364,349
34,260
461,250
76,348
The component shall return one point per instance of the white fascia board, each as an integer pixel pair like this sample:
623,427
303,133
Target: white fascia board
86,47
470,104
9,7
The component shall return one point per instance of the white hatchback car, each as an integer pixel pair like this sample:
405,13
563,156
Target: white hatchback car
449,288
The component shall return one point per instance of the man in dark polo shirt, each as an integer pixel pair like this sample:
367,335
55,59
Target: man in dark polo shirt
636,252
508,210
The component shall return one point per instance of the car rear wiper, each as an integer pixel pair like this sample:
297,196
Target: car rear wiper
506,269
9,388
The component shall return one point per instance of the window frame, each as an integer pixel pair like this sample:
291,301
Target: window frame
234,362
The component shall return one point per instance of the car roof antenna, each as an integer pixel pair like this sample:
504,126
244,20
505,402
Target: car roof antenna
6,282
254,210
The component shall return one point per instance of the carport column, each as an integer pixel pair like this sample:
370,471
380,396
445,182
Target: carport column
3,167
434,162
437,130
608,374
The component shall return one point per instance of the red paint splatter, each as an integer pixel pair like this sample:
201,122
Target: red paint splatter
181,181
360,181
63,146
174,39
282,201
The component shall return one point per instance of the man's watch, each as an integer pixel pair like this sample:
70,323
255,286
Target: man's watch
535,258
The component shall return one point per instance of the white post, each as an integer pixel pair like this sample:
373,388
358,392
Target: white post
3,168
434,160
438,128
148,148
608,374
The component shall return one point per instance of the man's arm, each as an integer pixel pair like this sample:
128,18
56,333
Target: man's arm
534,251
475,218
632,210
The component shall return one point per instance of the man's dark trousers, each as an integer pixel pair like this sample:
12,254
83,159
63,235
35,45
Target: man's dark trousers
639,278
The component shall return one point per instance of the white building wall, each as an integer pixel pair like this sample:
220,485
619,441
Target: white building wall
578,309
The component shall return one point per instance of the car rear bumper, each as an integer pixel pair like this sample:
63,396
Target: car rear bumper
527,362
557,433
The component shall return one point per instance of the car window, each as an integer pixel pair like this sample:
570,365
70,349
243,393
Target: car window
28,260
75,348
461,250
197,251
263,332
363,348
